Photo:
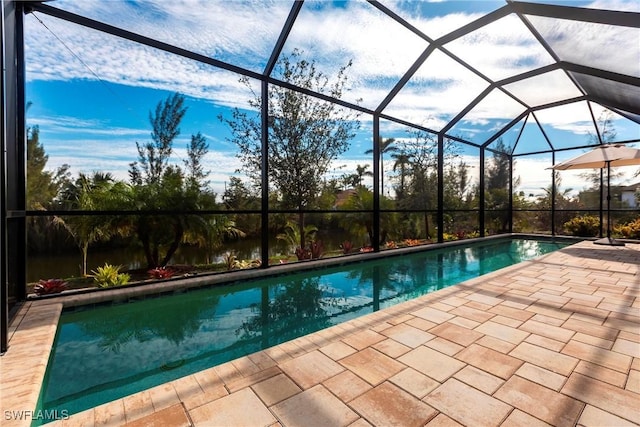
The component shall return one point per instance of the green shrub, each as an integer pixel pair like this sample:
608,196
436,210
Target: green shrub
584,226
109,275
449,237
630,230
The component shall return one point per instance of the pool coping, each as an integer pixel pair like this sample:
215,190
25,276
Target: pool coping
20,388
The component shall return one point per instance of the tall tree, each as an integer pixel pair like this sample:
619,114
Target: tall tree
153,156
305,133
456,185
196,175
422,149
42,185
42,190
401,165
159,185
593,177
497,173
497,170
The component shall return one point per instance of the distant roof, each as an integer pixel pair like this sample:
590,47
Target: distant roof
632,187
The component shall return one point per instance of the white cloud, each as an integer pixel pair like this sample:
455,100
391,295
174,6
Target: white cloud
381,49
73,125
544,88
91,55
513,48
613,48
215,28
574,118
620,5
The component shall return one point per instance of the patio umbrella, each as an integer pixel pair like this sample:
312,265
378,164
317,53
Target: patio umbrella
604,156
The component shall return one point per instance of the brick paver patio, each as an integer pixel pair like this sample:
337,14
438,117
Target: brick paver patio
553,341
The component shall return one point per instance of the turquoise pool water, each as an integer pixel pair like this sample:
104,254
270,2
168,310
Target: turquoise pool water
106,352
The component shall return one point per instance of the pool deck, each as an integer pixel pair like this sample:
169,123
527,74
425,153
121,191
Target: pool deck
552,341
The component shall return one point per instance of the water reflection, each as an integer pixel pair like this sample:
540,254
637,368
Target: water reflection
173,322
290,310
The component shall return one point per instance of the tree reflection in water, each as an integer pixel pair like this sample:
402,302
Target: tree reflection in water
174,320
295,308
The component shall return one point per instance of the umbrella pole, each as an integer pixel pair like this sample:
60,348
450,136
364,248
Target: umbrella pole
608,240
608,200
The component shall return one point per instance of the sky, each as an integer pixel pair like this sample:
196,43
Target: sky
91,93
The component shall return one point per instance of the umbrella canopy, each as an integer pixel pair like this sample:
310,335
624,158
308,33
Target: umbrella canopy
602,157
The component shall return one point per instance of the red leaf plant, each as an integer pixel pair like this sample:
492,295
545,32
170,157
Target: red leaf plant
161,273
50,286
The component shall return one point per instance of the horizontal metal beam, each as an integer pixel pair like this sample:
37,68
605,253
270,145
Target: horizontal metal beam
559,103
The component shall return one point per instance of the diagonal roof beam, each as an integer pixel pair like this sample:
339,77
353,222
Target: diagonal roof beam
596,16
527,74
499,85
468,108
594,122
598,72
612,105
405,79
559,103
475,25
384,9
479,23
513,150
284,34
634,118
542,130
407,123
505,129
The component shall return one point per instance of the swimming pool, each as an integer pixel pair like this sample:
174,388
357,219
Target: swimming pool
105,352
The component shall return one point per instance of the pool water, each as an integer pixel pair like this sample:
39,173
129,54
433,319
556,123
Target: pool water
106,352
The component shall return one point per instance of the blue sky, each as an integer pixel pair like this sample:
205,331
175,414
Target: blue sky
91,93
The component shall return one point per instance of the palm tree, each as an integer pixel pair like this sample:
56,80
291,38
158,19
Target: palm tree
210,231
89,193
386,146
358,219
402,162
361,172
